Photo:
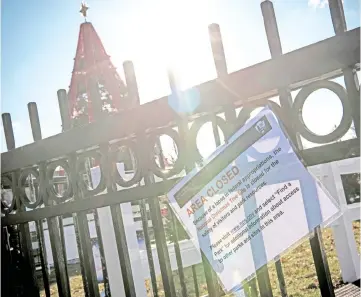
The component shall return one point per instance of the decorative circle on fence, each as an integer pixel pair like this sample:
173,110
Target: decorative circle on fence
178,164
23,179
50,170
117,177
7,208
245,112
195,128
300,100
83,167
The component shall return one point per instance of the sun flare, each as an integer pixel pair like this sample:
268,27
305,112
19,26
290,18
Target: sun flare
172,35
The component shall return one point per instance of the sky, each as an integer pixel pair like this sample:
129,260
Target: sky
39,38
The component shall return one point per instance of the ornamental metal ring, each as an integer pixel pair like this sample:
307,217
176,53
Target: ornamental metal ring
197,125
68,193
178,164
117,177
22,193
81,161
6,209
245,112
346,120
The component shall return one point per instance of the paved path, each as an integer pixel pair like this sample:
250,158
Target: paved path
349,290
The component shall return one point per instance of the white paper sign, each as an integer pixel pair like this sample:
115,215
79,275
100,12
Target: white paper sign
251,201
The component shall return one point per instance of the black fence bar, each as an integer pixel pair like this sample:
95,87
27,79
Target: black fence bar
321,264
350,76
178,254
144,216
81,255
210,275
62,237
102,254
174,222
220,63
66,125
82,224
56,239
36,131
318,251
99,234
89,265
327,57
43,257
162,248
120,236
123,252
30,282
195,280
281,278
275,47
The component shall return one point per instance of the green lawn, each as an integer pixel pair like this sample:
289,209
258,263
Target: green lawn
298,268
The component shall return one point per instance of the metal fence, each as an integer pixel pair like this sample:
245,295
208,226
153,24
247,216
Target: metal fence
226,102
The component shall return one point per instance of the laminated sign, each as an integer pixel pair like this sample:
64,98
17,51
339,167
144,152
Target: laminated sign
251,201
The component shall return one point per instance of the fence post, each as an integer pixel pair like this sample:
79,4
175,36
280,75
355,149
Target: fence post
36,131
57,245
66,125
350,76
29,276
220,63
316,242
175,224
162,248
318,251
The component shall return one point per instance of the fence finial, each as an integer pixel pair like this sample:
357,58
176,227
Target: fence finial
217,49
8,130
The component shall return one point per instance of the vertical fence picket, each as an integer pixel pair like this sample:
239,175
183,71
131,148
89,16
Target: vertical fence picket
195,281
211,277
162,248
66,125
350,76
318,250
62,237
29,276
174,222
98,115
102,254
148,247
274,44
219,58
116,212
220,63
36,131
81,222
178,254
56,242
132,88
281,278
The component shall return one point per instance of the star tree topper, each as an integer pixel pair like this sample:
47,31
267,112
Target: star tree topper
84,9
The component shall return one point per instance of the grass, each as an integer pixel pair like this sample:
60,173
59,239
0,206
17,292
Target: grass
298,269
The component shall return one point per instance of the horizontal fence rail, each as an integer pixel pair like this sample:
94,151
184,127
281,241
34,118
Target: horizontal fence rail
317,61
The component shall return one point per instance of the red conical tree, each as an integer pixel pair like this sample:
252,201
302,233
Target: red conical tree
93,71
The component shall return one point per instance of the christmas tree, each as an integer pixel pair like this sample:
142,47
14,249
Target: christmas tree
95,84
